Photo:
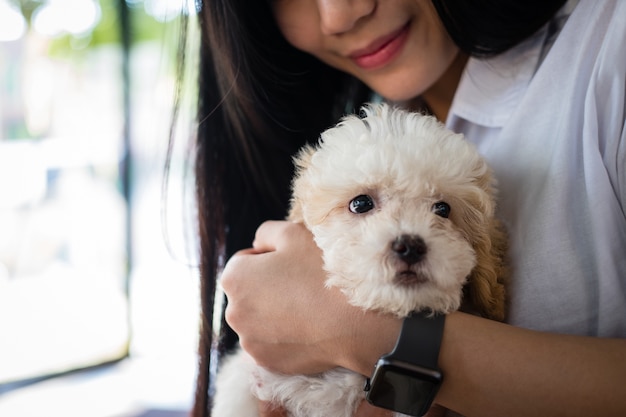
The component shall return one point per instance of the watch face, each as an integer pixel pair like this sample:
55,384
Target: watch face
404,388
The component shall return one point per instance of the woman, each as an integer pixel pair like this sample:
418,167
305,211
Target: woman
538,87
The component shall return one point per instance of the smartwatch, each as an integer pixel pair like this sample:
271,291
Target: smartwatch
407,379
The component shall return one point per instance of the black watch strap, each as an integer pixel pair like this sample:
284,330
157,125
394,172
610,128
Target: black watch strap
407,379
412,346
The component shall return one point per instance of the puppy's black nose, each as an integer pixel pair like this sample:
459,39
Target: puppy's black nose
410,248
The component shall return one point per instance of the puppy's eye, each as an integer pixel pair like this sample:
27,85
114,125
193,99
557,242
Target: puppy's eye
441,208
361,204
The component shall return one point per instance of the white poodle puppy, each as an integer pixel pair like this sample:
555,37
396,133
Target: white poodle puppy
403,211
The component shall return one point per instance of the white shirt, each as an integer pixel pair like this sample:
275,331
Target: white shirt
551,124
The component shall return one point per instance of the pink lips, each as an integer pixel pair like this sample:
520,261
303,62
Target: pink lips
381,51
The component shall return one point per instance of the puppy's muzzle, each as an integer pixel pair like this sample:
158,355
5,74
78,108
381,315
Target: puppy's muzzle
409,248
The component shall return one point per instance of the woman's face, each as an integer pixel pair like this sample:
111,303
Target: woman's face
399,48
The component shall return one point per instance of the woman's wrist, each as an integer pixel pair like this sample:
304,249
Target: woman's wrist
374,335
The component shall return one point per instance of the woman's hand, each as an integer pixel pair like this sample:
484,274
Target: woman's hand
289,322
286,318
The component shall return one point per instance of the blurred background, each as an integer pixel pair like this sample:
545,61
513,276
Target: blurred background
98,277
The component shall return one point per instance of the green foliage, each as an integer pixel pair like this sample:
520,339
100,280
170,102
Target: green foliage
143,27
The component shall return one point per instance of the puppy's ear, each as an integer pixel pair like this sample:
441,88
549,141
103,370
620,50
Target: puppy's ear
486,286
301,162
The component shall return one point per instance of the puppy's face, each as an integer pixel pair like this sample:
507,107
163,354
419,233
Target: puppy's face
396,203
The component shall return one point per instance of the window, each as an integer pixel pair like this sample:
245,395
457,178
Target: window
84,120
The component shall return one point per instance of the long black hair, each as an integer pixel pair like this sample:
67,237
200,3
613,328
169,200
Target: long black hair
260,100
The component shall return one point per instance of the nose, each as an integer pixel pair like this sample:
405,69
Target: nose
340,16
409,248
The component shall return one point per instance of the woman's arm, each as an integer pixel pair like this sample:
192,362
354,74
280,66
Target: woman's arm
492,368
289,322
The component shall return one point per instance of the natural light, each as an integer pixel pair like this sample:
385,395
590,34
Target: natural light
87,275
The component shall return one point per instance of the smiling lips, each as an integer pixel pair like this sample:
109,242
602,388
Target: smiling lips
381,51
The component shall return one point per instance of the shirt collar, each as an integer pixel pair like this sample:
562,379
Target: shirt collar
490,89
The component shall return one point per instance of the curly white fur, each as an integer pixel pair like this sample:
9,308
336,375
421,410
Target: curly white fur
406,163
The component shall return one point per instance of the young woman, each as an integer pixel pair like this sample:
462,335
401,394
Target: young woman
538,86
